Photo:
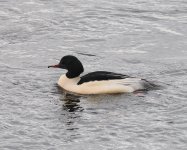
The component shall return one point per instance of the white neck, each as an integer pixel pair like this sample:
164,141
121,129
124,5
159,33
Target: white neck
66,82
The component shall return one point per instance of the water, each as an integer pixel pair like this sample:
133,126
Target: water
136,37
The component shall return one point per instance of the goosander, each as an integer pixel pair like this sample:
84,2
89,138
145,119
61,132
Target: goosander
99,82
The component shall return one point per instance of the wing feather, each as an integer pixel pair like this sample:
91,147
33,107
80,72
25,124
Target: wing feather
101,75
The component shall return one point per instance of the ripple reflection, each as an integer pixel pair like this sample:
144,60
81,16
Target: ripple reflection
71,103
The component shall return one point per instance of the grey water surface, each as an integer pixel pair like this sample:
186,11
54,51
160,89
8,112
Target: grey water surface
141,38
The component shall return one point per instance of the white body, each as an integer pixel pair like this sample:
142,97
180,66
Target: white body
101,87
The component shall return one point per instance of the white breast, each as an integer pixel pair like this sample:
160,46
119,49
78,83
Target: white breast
100,87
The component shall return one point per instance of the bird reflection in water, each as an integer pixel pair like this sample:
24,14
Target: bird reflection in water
71,101
70,114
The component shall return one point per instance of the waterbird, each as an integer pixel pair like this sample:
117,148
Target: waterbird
98,82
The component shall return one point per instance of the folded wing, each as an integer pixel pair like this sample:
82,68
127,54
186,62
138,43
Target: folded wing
101,75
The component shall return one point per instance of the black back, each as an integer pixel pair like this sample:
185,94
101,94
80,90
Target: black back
101,75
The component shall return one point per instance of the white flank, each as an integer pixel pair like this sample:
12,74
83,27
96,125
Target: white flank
101,87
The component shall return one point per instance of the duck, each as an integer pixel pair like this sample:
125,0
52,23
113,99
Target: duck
98,82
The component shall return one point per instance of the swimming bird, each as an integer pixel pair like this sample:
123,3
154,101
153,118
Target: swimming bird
99,82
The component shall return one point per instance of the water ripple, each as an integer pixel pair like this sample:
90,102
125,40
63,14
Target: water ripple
140,38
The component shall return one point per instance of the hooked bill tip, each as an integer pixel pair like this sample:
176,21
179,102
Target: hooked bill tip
54,66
